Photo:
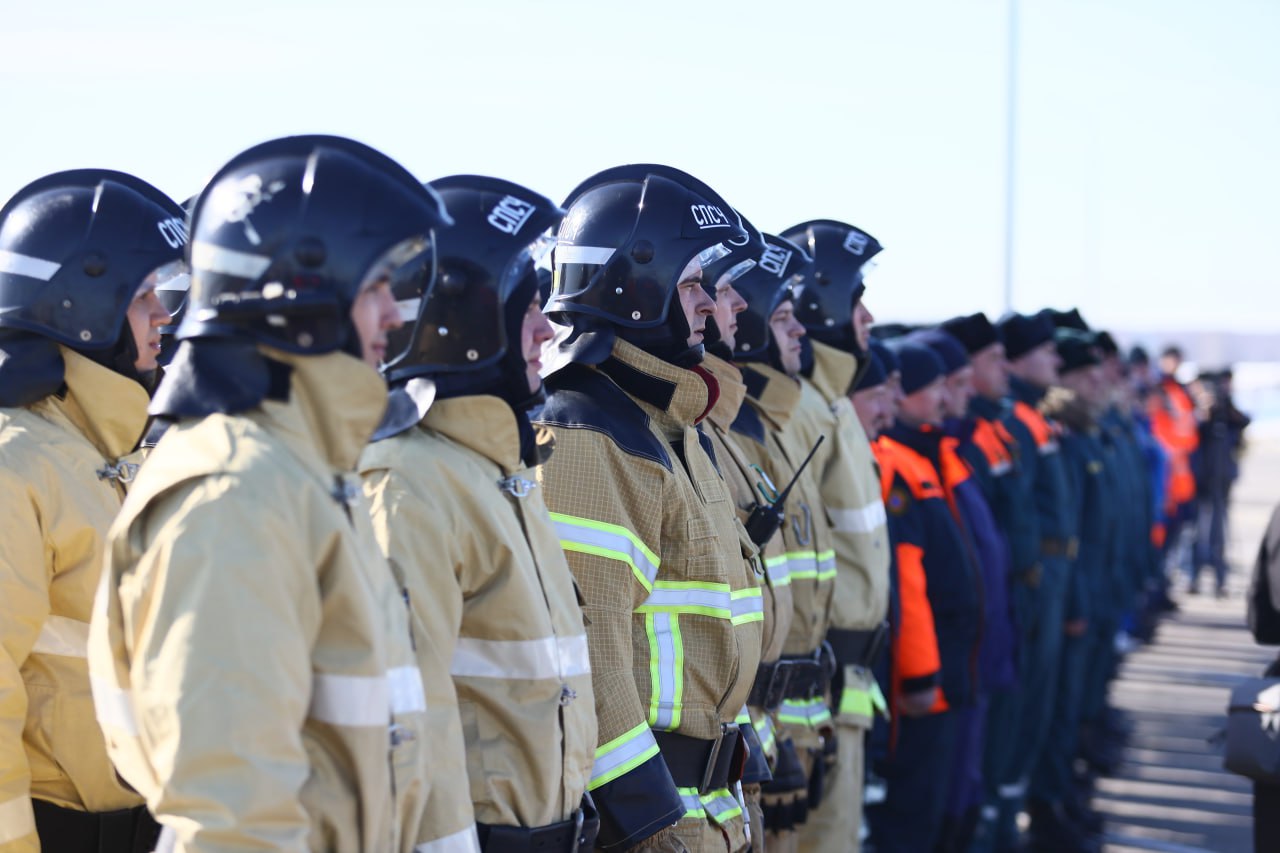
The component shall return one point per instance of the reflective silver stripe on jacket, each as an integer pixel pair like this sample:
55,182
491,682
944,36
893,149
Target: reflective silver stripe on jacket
548,657
866,519
462,841
62,635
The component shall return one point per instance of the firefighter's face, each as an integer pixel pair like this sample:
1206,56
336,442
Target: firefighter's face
729,304
862,322
787,332
695,303
535,330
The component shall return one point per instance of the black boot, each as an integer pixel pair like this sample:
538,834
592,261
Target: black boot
1052,831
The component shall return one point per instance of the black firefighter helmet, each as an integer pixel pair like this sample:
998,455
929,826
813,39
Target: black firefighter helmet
485,280
826,298
75,247
767,285
624,241
285,233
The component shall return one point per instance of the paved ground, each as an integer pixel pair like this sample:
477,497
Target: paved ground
1172,793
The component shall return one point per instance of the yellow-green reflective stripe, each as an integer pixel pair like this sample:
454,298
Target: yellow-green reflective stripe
804,712
779,570
743,718
694,597
747,605
666,670
877,699
764,731
808,559
692,805
855,702
721,806
826,565
623,754
611,541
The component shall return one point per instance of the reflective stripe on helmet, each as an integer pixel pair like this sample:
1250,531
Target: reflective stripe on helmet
208,257
596,255
19,264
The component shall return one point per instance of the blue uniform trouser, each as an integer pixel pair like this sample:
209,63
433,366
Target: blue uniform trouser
1040,610
915,775
1051,780
1211,538
1100,668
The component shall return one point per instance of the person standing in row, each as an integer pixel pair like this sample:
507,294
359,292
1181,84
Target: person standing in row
457,510
770,362
670,578
81,256
837,322
250,649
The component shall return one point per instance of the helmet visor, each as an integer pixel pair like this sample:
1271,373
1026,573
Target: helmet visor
171,282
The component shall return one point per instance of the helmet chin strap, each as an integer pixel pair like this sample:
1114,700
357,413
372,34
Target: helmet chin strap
670,341
121,358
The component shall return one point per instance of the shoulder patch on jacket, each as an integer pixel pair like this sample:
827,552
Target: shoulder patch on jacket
898,502
581,398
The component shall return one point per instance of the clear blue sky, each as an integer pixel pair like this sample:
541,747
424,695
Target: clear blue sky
1148,145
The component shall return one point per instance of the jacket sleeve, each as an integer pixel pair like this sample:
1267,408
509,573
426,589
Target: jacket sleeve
416,539
24,605
220,607
917,664
608,515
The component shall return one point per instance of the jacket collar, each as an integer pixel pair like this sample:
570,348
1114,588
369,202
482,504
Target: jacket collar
335,403
924,440
732,391
773,393
1025,392
833,371
109,409
482,423
672,396
989,410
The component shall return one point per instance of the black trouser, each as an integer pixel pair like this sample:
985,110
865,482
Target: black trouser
70,831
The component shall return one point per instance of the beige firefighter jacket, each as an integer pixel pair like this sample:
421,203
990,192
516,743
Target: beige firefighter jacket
60,487
850,489
673,603
744,482
806,533
463,521
249,649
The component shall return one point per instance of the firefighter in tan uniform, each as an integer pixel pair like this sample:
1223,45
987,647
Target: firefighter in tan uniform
800,681
249,649
760,515
76,354
671,581
829,304
457,510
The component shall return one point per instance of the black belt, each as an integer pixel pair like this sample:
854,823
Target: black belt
770,686
568,836
703,764
858,648
809,675
127,830
1056,546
